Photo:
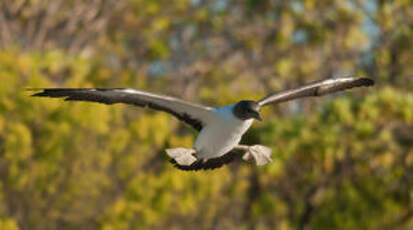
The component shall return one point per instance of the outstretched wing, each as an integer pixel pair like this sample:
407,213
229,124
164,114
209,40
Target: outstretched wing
317,88
195,115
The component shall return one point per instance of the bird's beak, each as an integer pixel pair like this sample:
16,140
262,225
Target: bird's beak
257,116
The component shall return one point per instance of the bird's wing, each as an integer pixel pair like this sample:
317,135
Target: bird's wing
195,115
317,88
212,163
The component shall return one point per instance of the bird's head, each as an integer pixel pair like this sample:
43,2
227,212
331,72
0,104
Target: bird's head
245,110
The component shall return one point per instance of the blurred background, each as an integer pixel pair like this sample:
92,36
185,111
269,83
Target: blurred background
339,162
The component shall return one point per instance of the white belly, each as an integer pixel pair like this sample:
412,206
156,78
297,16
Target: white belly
221,136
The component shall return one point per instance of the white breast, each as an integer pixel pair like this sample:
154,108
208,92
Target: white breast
220,135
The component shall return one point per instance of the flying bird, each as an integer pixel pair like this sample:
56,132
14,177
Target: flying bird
220,128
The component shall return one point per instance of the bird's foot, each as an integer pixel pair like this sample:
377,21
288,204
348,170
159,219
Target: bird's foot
260,154
182,156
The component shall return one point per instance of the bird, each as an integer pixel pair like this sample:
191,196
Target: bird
220,128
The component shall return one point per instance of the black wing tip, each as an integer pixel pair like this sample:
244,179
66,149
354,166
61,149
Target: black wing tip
366,81
45,92
41,94
64,92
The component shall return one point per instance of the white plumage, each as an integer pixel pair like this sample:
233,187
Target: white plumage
221,134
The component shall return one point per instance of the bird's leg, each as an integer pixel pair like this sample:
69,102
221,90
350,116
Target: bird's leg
182,156
260,154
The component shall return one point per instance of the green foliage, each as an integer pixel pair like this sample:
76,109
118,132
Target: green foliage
339,162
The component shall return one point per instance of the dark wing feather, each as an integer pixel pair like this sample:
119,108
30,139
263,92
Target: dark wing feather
317,88
212,163
195,115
